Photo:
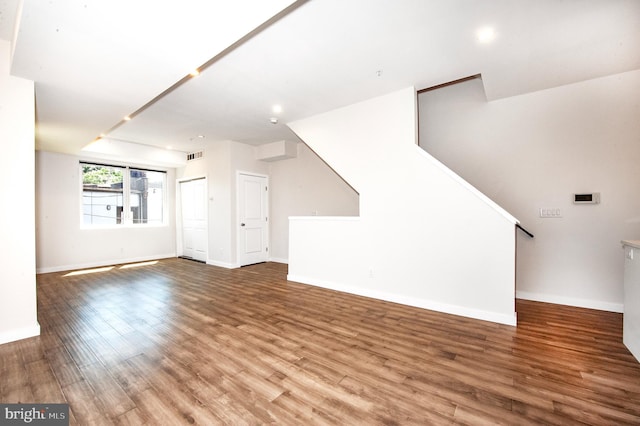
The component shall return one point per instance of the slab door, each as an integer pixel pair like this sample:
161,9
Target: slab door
253,226
193,194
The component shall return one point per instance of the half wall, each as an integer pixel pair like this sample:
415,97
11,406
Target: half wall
424,236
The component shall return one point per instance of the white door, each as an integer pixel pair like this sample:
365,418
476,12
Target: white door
193,194
252,219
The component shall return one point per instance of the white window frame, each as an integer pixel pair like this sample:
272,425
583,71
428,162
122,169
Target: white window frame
127,215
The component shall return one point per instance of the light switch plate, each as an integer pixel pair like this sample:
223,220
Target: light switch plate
550,213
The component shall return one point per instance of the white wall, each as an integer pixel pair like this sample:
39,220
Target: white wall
221,162
106,150
297,186
18,315
305,186
63,244
423,238
535,151
218,166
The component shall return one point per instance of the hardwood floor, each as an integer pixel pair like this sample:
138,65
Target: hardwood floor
179,342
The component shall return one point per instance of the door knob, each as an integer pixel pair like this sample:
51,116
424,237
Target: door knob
242,224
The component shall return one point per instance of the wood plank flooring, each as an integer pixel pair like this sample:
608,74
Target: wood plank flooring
180,342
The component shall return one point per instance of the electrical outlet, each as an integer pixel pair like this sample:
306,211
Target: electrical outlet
547,213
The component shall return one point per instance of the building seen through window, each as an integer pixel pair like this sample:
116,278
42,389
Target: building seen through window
114,195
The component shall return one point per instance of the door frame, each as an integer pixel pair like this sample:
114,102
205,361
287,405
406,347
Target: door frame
237,215
179,224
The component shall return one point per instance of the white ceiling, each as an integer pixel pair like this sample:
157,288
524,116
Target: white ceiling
95,61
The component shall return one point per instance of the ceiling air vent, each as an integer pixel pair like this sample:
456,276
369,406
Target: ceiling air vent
195,155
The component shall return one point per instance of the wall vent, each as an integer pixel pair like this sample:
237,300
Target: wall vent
195,155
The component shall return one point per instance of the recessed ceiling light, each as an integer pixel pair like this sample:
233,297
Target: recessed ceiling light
485,34
273,120
127,118
194,73
277,109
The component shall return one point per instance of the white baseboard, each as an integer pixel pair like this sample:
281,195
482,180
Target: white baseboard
235,265
631,337
222,264
571,301
410,301
100,263
19,334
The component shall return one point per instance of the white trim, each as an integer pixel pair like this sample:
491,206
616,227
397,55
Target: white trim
178,212
410,301
223,264
64,268
130,225
279,260
190,178
631,339
237,216
631,243
571,301
19,334
127,217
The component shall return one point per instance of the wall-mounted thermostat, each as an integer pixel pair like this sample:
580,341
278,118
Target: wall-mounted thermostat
592,198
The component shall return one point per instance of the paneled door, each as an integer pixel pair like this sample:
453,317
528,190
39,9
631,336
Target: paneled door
193,194
253,225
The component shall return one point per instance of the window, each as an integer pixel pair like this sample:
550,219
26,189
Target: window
114,195
146,195
102,194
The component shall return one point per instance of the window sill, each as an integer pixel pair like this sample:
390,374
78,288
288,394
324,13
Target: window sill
123,226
